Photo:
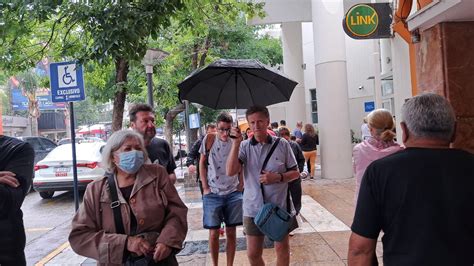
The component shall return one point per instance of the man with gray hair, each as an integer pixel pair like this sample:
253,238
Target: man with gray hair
422,197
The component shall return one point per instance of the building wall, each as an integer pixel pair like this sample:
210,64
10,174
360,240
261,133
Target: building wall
401,78
359,54
16,126
357,113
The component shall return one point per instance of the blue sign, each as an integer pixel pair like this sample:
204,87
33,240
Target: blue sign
194,121
67,82
43,95
369,106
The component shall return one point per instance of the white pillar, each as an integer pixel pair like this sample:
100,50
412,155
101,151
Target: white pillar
292,40
385,56
292,44
377,78
331,87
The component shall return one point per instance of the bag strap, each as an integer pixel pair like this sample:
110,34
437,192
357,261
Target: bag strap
115,205
269,155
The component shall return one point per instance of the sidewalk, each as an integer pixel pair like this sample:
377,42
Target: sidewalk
322,238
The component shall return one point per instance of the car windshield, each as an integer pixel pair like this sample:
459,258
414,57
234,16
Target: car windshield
84,151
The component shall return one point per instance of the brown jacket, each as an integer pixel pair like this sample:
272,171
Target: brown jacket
155,203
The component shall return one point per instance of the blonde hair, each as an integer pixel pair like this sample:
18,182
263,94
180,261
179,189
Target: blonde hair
309,129
115,142
382,121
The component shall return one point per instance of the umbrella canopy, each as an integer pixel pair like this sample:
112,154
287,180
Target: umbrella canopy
239,83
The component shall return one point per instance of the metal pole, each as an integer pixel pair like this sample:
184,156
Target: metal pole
74,161
149,79
186,123
179,148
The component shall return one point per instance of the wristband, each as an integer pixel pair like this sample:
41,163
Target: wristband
281,177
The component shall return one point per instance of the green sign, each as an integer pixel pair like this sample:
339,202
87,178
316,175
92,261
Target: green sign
362,20
368,21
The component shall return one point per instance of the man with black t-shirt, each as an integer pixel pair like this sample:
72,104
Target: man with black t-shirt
422,198
16,172
142,120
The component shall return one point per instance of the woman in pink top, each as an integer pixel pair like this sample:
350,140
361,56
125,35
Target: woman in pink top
379,145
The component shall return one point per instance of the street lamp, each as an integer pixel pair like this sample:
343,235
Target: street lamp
152,57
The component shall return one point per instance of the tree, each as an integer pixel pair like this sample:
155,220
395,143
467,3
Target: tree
220,36
110,32
29,83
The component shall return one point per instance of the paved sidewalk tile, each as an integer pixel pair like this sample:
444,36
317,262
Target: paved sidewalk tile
322,238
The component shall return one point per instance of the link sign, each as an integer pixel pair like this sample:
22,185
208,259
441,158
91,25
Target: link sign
368,21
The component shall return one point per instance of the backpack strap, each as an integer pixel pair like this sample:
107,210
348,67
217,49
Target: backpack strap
210,139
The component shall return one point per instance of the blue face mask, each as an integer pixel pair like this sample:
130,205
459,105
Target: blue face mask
131,161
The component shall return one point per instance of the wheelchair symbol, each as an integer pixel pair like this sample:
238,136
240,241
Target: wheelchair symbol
67,78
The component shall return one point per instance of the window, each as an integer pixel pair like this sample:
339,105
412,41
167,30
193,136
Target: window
48,144
35,143
314,106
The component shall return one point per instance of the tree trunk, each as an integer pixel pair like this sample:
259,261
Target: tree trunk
34,126
170,116
34,113
207,45
121,72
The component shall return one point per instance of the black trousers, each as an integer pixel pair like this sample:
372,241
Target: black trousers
148,261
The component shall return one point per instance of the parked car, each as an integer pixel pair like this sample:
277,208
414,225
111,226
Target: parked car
42,146
68,140
80,140
55,173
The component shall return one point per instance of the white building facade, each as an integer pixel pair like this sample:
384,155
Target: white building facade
337,75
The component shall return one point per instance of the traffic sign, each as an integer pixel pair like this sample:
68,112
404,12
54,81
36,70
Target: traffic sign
368,21
67,82
194,120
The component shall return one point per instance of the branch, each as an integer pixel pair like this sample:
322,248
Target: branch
207,44
171,114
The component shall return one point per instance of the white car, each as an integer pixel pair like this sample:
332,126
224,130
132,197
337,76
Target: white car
55,173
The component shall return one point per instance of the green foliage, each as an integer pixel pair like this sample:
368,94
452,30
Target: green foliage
99,33
232,39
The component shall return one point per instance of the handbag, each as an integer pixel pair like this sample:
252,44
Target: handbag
150,237
271,220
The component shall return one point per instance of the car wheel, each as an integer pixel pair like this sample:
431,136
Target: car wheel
46,194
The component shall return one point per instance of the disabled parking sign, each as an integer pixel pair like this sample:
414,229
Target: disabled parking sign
67,82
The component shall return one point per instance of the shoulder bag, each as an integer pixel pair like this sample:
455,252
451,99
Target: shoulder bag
273,221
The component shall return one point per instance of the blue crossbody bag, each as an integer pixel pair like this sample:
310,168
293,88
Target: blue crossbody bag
273,221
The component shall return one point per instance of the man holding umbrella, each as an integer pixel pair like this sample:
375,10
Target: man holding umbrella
282,168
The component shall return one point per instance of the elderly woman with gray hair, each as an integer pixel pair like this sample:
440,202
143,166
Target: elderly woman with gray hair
133,215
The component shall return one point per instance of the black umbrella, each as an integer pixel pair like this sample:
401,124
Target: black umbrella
229,83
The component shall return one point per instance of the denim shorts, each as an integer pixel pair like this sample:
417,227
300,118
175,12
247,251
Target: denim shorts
222,208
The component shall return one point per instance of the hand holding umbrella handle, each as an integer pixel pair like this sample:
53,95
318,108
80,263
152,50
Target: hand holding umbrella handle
235,133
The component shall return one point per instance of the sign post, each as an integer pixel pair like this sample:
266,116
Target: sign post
67,85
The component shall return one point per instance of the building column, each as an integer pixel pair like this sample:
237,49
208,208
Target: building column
331,88
292,44
445,64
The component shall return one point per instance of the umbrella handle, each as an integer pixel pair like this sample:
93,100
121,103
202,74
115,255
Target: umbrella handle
237,123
